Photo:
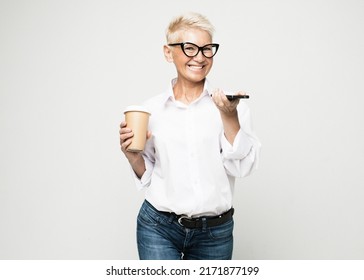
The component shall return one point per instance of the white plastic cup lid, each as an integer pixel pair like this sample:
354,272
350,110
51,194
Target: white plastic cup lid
136,108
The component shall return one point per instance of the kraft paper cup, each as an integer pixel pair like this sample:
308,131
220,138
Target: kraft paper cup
137,118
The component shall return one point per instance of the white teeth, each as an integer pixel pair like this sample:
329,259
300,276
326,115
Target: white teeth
195,67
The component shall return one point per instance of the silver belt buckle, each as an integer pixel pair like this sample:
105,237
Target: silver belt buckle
180,219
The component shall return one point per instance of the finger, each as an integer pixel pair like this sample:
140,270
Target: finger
241,93
217,97
125,136
225,101
234,103
218,93
125,145
122,124
124,130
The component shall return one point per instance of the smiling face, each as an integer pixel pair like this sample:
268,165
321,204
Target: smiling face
190,69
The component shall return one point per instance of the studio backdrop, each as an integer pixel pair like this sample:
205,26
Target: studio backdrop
69,68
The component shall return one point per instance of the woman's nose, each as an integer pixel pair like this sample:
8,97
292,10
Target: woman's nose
199,57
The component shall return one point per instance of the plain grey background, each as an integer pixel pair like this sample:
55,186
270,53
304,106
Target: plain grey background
69,68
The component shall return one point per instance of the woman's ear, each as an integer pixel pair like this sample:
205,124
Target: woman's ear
168,53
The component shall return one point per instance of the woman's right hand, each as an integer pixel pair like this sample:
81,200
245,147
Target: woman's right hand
126,135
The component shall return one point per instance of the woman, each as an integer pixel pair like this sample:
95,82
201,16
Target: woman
198,142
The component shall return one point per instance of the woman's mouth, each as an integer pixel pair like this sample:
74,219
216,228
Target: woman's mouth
196,67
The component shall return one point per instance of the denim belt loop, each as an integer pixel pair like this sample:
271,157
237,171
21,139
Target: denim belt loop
204,224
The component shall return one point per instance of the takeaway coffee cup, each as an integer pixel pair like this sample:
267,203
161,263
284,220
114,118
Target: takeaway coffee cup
137,118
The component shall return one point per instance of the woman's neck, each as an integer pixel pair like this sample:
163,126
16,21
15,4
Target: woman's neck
187,92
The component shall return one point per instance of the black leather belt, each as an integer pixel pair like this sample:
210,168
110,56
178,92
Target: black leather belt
211,221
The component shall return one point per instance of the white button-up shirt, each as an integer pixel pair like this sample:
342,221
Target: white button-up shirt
190,165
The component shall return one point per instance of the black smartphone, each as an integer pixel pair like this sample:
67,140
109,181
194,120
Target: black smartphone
233,97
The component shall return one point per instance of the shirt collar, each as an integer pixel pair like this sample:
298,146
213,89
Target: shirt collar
170,96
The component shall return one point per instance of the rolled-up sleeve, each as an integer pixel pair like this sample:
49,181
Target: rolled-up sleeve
145,180
242,157
149,160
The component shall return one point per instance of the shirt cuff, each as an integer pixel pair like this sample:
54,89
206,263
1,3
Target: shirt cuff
145,180
241,147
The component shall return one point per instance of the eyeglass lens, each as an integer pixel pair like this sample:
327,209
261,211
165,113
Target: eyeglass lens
192,49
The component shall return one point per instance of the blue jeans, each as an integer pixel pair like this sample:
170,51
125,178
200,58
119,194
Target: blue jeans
161,237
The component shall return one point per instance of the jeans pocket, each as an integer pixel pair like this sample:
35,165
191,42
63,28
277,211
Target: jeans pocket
222,231
148,218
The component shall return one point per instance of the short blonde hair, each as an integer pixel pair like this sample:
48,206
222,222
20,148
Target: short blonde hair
188,21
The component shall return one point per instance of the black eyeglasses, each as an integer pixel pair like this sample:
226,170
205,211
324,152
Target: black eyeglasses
191,49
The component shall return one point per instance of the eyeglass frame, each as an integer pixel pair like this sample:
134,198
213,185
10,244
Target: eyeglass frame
198,47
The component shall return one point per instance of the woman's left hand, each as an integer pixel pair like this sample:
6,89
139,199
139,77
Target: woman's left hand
223,104
228,113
